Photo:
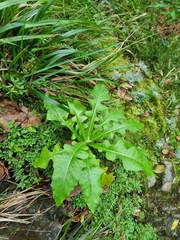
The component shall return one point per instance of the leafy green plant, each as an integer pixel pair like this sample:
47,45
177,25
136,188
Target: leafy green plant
97,128
170,9
122,206
23,145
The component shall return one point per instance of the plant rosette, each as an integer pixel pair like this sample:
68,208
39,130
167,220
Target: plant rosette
98,128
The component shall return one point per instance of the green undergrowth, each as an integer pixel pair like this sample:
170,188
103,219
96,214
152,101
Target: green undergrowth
149,106
23,145
120,213
63,49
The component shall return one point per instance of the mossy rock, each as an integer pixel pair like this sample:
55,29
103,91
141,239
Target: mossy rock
150,109
147,105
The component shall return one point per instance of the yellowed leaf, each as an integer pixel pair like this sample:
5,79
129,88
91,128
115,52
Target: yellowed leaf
126,86
159,169
175,224
107,179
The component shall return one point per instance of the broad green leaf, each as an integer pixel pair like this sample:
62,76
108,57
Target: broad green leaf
133,158
57,149
106,120
43,160
56,113
90,182
67,169
118,127
99,128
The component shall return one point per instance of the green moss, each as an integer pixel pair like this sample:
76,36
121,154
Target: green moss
147,106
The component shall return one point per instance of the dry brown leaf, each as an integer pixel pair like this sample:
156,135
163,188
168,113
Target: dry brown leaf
165,151
1,172
171,154
4,124
123,95
167,81
32,121
77,190
24,109
20,115
178,138
2,137
4,173
6,102
146,114
79,214
126,86
69,142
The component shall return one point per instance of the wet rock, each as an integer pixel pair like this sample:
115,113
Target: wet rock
46,225
169,223
151,181
168,177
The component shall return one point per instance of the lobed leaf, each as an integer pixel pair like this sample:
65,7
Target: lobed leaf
46,155
56,113
110,126
90,182
67,170
43,160
133,158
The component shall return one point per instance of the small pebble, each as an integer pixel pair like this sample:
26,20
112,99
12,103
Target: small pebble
151,181
168,177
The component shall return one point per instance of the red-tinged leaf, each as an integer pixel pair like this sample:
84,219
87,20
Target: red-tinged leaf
123,95
146,114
